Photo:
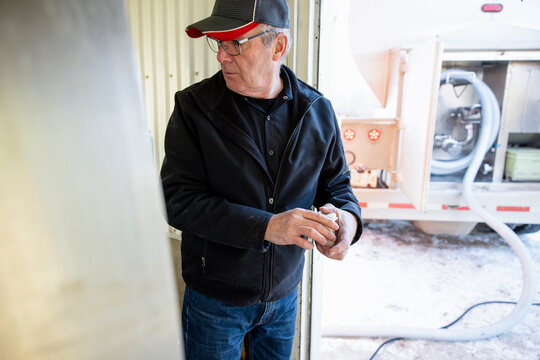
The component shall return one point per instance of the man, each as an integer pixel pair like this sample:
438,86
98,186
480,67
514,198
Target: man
249,152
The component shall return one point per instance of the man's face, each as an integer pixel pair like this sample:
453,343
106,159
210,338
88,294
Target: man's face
252,72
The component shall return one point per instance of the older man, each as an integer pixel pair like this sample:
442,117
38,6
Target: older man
249,153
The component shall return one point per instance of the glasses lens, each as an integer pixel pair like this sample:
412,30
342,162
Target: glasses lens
231,47
213,44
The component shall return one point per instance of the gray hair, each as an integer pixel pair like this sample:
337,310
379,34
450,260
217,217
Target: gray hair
269,38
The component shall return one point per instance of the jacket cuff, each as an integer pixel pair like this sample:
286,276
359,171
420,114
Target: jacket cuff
356,212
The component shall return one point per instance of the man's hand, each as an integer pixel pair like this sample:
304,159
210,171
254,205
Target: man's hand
295,226
347,229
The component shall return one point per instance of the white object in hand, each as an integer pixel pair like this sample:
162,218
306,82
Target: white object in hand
332,216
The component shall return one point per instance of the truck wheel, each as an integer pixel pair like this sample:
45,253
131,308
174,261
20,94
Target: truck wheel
527,228
518,228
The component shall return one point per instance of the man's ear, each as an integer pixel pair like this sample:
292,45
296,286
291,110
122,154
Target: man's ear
280,47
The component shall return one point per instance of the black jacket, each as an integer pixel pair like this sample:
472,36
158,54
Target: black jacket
219,193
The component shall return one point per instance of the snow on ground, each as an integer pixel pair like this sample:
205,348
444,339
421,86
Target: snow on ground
397,275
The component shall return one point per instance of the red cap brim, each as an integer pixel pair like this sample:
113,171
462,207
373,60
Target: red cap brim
224,35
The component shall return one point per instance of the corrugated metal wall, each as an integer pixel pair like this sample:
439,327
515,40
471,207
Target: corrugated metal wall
169,60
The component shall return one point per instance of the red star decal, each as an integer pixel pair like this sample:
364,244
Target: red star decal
374,134
349,134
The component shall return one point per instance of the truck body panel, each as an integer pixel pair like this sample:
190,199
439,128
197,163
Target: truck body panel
380,65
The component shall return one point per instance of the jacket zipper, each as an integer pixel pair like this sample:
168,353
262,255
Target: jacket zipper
203,258
288,147
267,276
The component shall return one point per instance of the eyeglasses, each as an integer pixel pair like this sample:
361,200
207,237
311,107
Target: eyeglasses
231,47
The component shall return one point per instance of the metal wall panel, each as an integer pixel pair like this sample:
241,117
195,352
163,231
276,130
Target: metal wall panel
170,60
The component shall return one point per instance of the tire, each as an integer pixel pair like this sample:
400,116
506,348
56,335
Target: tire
527,228
518,228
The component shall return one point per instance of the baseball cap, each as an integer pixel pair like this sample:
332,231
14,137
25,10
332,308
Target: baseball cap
233,18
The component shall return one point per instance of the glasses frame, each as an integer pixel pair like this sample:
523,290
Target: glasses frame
236,43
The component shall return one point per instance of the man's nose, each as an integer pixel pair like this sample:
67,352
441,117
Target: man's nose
222,55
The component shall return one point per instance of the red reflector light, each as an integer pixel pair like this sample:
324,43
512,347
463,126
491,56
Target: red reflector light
492,8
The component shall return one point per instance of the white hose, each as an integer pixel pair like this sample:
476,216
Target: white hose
484,143
489,105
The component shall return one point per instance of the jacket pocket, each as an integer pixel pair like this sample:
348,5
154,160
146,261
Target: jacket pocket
231,265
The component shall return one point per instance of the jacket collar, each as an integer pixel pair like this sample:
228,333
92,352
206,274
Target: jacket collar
216,97
217,102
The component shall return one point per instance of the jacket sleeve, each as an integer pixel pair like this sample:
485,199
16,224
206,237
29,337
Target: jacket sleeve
191,205
335,178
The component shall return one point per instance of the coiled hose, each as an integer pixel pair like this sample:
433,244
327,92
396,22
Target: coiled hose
491,122
484,142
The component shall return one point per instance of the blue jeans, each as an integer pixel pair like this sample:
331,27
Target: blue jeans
214,329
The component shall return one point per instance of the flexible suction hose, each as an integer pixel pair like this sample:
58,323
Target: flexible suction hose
489,105
484,143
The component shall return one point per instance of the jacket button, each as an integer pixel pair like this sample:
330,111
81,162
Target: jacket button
271,152
268,118
271,201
